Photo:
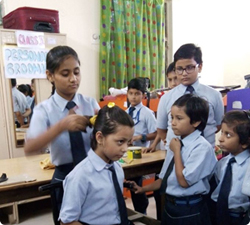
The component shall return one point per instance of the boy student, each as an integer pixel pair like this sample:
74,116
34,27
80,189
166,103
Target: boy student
145,130
188,64
184,177
231,204
173,81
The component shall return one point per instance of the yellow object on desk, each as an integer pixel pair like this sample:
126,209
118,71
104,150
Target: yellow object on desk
46,164
134,152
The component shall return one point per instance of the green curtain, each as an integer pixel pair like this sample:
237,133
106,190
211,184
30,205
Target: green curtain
132,43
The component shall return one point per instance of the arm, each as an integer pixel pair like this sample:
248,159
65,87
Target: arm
19,117
27,112
72,122
162,134
150,187
150,136
175,146
152,147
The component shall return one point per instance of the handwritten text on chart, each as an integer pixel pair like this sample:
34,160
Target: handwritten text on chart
24,63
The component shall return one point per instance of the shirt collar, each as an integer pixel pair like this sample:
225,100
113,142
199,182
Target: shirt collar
62,102
190,138
195,85
97,162
242,157
137,107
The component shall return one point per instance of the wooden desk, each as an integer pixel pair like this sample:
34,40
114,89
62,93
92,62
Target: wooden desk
149,163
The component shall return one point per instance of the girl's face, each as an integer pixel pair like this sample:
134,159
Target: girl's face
66,78
230,141
181,122
113,146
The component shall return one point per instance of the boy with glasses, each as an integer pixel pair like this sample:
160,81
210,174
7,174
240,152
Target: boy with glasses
188,64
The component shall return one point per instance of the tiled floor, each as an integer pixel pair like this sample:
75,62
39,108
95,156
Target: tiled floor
39,212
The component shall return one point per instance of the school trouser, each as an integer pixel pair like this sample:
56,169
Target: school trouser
140,201
236,218
57,194
189,210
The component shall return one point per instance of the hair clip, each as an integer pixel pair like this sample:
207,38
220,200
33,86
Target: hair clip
111,104
92,120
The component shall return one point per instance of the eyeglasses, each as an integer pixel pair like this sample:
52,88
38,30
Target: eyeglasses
188,69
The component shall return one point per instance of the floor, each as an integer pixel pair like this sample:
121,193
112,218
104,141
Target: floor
39,212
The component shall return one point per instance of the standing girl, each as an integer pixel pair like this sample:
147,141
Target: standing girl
53,123
232,204
90,197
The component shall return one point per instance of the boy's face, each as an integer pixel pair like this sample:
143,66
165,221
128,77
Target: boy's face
187,78
181,122
134,96
172,79
229,140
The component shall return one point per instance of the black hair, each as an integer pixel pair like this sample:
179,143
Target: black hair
13,82
56,56
188,51
239,121
137,84
30,92
170,68
196,108
23,88
107,121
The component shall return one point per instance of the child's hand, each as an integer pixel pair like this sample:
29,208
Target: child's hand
175,145
151,148
136,189
136,138
74,122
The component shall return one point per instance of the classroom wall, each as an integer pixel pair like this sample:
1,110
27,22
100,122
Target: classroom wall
221,29
79,19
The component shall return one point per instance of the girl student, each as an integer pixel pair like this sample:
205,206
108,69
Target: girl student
184,177
53,124
89,193
231,209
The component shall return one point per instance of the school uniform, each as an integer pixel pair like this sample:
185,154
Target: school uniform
216,109
20,103
89,193
188,205
238,203
47,114
145,123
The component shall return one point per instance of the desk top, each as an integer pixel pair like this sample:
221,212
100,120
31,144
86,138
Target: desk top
30,165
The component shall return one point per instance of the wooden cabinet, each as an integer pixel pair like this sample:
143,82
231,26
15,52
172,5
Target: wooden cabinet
8,146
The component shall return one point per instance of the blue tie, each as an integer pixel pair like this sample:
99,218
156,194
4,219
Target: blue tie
130,111
76,141
190,89
223,217
120,199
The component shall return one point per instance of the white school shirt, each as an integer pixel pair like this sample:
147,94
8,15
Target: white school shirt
216,109
199,161
50,112
89,193
237,201
145,123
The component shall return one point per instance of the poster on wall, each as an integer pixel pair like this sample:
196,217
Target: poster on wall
24,62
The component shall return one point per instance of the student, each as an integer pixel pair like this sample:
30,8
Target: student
235,140
53,124
89,193
187,183
20,105
145,130
173,81
188,64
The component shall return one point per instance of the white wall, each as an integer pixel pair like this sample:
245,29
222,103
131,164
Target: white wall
221,29
79,19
